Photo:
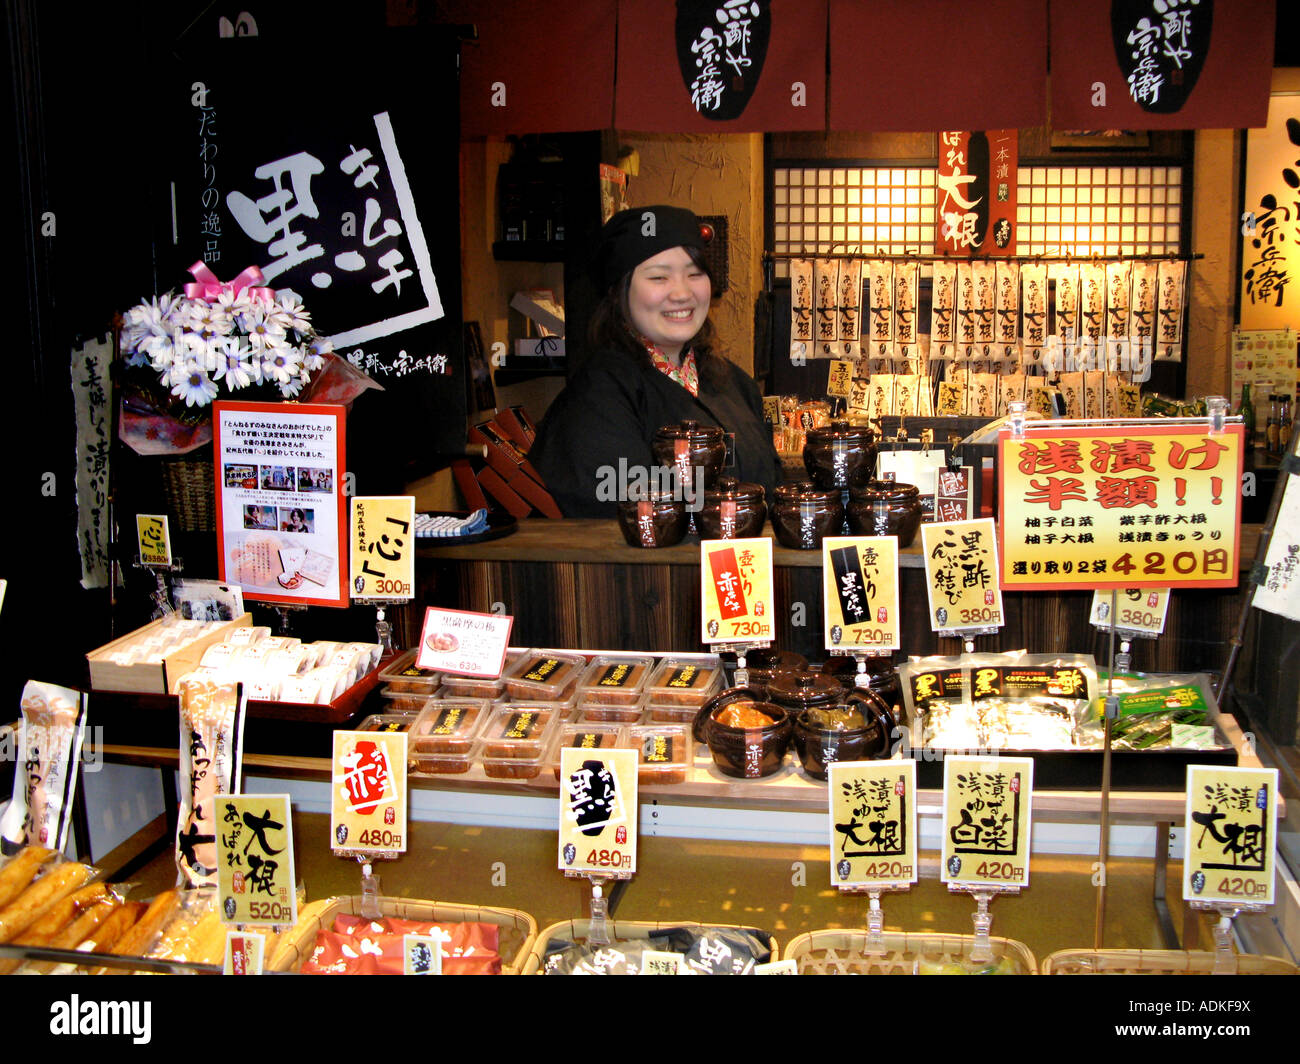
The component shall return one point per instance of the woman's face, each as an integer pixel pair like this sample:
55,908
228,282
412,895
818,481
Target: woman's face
668,300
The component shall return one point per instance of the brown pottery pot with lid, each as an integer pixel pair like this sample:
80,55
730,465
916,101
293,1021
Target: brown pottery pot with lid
885,508
835,453
747,736
880,677
687,445
655,519
804,514
732,510
859,727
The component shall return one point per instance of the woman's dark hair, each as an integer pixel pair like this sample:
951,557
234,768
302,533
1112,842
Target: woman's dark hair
611,326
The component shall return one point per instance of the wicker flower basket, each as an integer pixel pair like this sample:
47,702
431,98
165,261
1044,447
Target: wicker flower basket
1156,962
189,488
518,930
844,952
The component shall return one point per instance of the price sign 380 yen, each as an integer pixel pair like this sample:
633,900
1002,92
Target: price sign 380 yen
598,812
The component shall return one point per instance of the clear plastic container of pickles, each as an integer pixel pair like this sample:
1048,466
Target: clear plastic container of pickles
665,752
615,679
448,726
488,687
404,675
599,713
515,741
586,737
404,701
388,722
544,675
685,680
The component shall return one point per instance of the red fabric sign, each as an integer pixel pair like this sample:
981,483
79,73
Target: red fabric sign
1123,64
919,65
539,66
975,202
726,581
722,66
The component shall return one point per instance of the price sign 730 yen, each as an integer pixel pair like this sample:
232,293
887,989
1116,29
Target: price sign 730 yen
598,811
736,590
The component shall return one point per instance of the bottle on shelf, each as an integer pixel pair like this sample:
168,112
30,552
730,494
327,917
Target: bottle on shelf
1271,437
1284,423
1247,412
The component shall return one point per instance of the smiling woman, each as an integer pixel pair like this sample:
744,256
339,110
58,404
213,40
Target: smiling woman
653,363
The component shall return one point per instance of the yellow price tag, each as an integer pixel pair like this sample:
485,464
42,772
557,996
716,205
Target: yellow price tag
961,575
244,953
1231,819
873,823
368,793
154,539
736,590
255,880
383,546
986,821
1120,507
598,812
1137,609
839,378
860,592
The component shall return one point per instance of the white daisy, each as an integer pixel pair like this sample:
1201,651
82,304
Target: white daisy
280,363
290,313
235,365
292,387
262,331
196,348
208,320
161,349
231,305
195,386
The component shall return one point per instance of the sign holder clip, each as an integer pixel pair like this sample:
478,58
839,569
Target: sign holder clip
370,891
383,629
875,927
159,594
981,951
740,650
1225,953
283,612
598,932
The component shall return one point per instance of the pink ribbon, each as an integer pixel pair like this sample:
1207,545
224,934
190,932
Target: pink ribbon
206,287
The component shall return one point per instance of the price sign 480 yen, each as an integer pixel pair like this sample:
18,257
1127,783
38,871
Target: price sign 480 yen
609,859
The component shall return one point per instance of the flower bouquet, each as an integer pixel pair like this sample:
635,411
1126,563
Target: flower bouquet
216,341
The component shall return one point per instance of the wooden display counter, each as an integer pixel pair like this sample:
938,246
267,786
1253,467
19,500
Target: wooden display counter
576,583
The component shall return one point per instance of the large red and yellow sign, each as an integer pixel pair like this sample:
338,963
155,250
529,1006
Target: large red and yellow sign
1120,507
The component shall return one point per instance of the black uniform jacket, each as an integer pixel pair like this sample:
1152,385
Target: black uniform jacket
611,410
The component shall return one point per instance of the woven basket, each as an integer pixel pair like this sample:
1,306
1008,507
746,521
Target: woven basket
190,490
619,931
517,935
843,952
1156,962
